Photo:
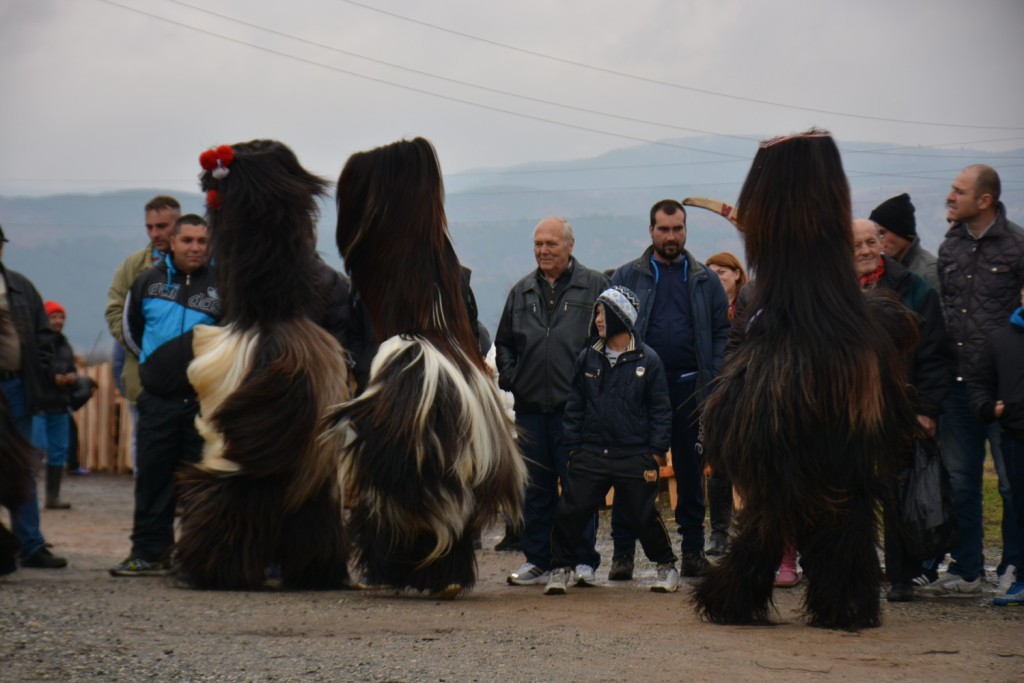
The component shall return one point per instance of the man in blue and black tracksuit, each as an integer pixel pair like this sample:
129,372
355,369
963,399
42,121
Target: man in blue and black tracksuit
163,305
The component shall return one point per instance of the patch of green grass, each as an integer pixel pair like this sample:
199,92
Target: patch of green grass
992,506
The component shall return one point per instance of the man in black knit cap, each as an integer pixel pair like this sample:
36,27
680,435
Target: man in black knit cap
898,231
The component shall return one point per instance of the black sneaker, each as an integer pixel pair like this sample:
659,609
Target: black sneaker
694,563
44,559
622,568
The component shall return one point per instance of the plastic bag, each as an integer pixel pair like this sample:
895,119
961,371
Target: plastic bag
927,512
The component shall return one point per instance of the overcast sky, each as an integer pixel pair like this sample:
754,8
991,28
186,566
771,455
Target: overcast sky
111,94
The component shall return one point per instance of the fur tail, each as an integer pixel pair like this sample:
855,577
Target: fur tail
265,475
431,454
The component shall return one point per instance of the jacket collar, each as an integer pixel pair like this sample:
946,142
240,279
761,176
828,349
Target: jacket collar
697,269
998,228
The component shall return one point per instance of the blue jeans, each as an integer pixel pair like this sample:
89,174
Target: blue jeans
25,520
52,433
547,462
963,438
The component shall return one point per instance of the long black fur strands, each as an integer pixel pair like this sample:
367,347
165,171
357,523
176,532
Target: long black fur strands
811,409
393,235
268,489
263,234
428,448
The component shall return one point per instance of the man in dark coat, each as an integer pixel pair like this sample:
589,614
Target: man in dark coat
981,270
23,389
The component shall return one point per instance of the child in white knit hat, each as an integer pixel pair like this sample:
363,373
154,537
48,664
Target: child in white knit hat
618,426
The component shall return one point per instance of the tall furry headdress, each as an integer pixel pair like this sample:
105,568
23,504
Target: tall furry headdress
811,409
427,447
267,489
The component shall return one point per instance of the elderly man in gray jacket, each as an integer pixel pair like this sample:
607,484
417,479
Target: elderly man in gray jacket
543,328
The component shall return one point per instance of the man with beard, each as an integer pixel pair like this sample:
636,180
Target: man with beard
684,318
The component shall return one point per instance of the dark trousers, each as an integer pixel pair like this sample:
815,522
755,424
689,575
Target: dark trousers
719,502
1013,457
963,438
24,520
546,462
900,567
167,439
591,474
689,471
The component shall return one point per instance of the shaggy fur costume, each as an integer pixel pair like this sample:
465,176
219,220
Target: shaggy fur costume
267,490
429,448
810,412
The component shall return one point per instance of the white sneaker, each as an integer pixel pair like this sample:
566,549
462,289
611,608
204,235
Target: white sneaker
528,574
583,575
668,579
1006,580
951,586
558,583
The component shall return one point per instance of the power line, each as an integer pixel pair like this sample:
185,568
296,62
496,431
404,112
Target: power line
485,88
507,93
669,84
464,83
419,90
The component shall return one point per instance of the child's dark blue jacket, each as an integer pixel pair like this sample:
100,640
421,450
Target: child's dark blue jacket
622,410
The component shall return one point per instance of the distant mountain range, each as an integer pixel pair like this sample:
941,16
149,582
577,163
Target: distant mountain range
69,245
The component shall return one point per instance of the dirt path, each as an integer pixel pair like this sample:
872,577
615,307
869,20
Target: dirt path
80,624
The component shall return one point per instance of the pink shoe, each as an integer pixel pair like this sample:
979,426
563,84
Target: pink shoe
787,576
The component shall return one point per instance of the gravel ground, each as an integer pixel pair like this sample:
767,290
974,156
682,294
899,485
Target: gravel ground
80,624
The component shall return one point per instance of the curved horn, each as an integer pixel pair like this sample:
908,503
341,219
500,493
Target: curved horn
727,211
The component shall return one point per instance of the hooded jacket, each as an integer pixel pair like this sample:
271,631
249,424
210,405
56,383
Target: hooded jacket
618,411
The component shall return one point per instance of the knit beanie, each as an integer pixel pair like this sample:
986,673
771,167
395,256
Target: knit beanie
53,307
621,308
897,216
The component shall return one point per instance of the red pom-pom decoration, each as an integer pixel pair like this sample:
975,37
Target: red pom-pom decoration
226,154
213,199
208,159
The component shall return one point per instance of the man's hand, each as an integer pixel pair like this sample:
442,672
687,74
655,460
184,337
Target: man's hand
927,423
1000,407
65,380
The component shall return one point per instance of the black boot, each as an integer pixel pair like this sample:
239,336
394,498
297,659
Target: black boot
53,501
511,541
